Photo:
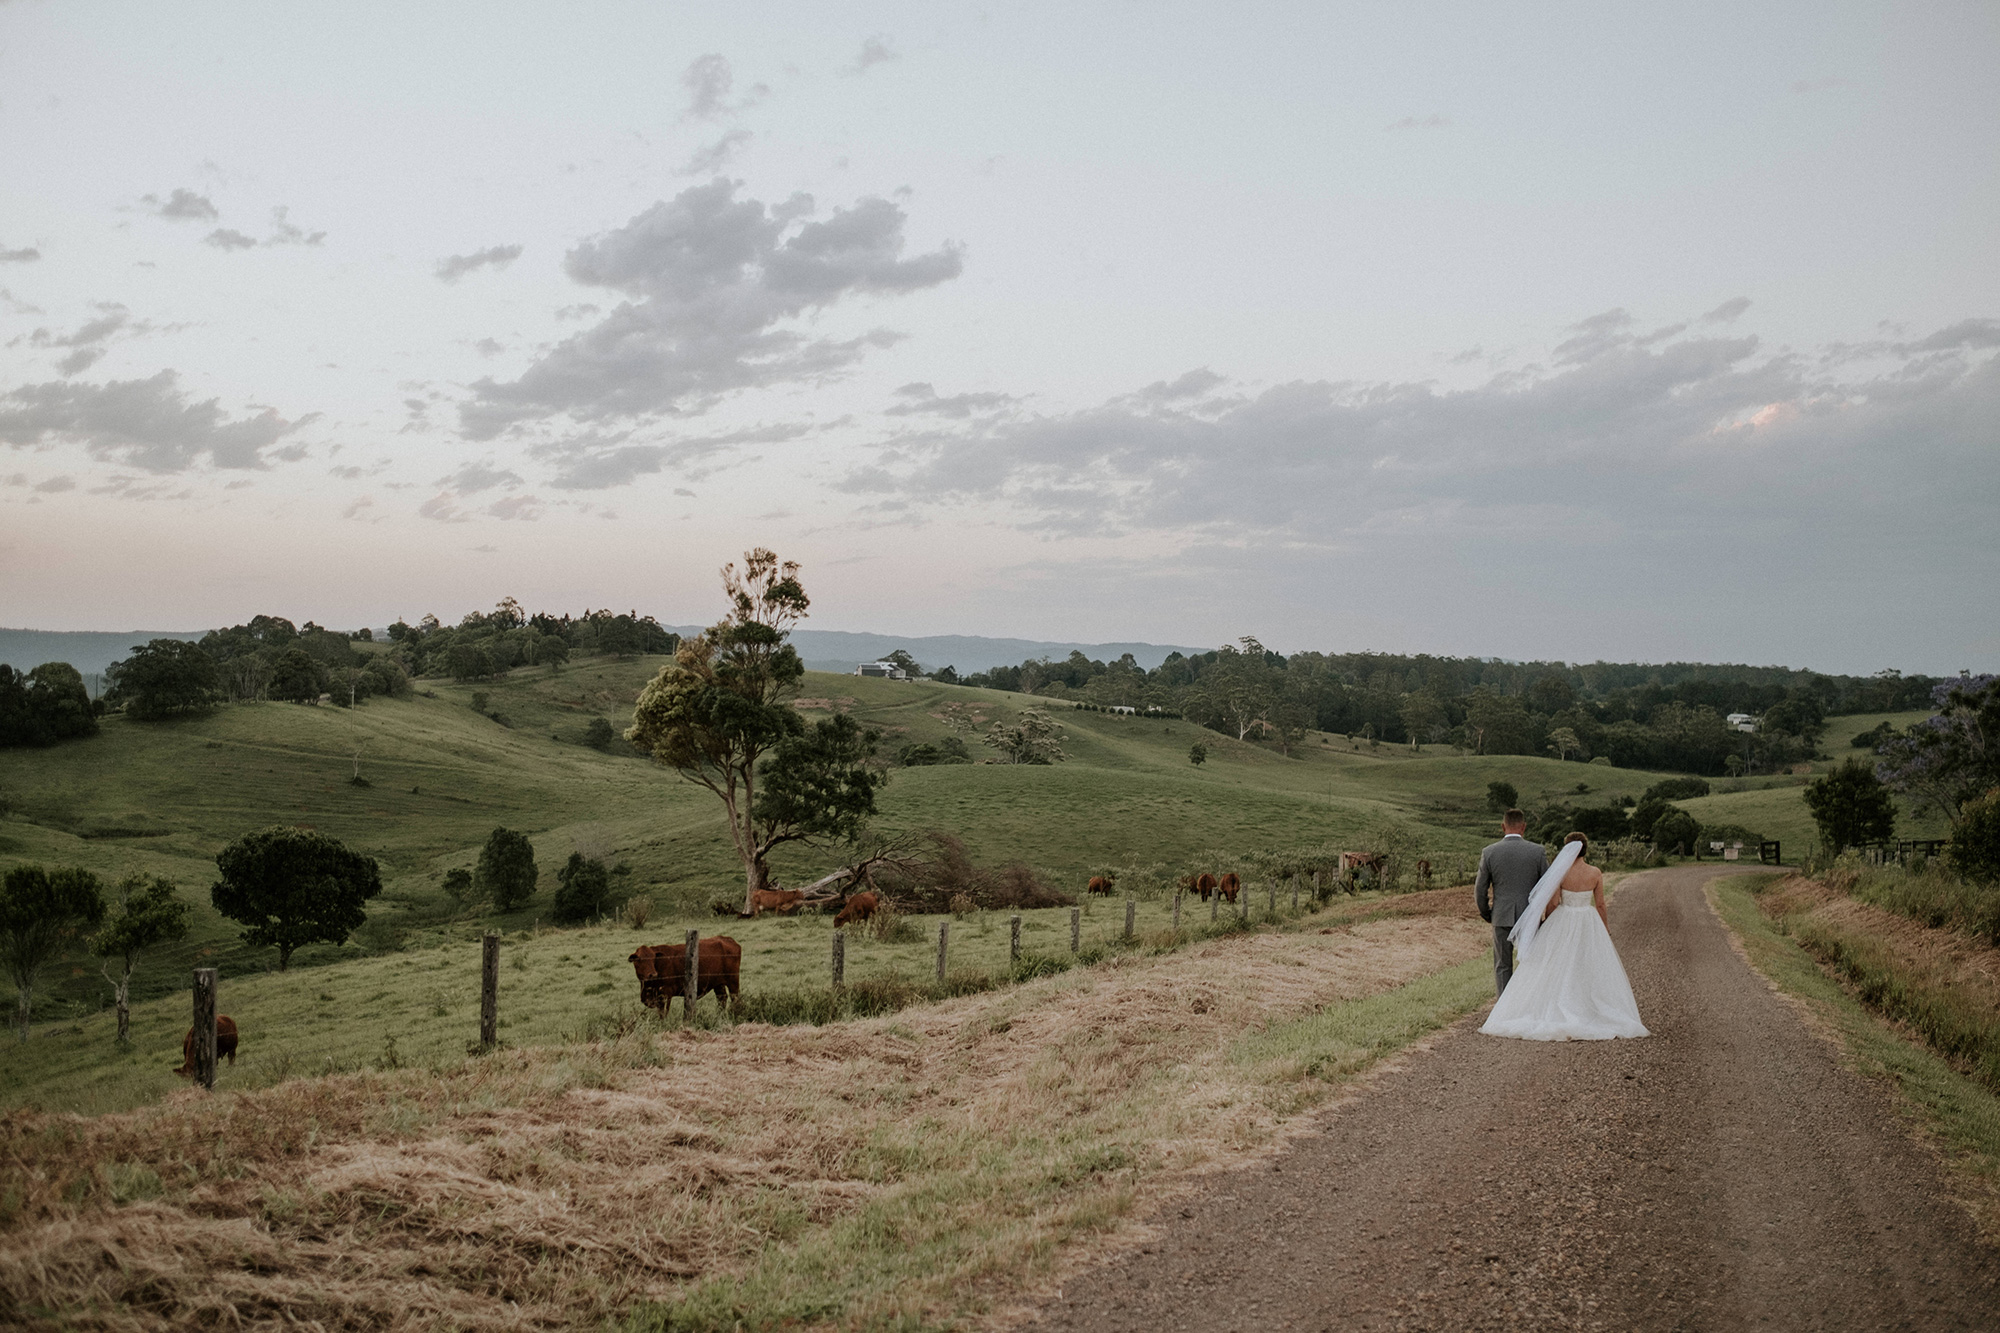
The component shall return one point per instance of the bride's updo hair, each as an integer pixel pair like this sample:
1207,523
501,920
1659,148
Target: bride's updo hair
1583,855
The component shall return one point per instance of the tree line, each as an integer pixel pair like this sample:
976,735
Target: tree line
1671,716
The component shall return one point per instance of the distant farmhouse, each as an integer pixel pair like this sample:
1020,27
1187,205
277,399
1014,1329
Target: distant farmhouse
887,670
1742,721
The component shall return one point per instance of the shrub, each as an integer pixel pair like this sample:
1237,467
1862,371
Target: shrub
637,912
1975,841
1501,796
1851,805
600,734
1675,789
1676,831
582,886
506,872
458,887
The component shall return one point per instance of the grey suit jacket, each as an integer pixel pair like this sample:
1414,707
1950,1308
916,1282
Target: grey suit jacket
1507,871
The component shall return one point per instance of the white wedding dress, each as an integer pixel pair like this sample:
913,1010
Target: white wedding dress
1570,985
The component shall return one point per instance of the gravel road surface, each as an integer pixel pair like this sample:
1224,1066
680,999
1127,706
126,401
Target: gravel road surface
1724,1173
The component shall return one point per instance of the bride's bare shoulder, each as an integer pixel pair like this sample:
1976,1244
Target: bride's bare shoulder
1582,876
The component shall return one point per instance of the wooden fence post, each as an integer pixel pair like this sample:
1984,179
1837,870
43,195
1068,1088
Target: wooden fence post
1295,895
1243,905
944,937
1131,911
1214,904
1177,911
489,991
1014,938
204,1027
691,974
1270,895
1075,928
839,959
1316,898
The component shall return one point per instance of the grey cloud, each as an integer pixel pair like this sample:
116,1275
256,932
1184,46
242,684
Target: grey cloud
1967,333
476,477
149,424
1664,438
582,310
1194,384
707,80
923,400
1728,311
55,485
707,161
710,279
526,508
489,347
454,267
25,255
875,51
183,205
225,238
284,232
595,463
87,341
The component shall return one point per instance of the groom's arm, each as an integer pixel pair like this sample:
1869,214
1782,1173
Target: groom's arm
1482,886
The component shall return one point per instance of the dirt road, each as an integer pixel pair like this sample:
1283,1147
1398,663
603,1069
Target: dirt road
1724,1173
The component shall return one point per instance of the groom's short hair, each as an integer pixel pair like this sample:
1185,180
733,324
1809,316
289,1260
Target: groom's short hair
1514,819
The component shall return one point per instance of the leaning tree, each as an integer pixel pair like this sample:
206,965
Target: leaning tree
149,913
720,715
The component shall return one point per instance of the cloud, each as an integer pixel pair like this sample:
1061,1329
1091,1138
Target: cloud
148,424
283,232
526,508
1728,311
56,485
923,400
707,161
1431,122
595,463
489,347
354,510
225,238
711,281
1971,334
183,205
87,341
581,310
454,267
25,255
476,477
708,80
875,51
1676,440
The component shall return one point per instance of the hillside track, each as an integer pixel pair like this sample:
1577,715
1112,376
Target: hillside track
1725,1173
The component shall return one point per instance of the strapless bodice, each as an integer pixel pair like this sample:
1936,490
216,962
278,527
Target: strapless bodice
1571,898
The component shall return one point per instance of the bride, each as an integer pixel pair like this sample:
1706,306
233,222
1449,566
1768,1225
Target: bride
1569,984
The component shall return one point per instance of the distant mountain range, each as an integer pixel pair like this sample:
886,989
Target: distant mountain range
90,651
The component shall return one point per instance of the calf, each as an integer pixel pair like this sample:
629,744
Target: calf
662,970
775,900
225,1045
1228,885
859,908
1100,884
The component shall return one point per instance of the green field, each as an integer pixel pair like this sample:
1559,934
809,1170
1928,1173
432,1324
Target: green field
164,798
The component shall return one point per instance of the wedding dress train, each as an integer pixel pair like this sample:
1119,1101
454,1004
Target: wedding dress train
1572,986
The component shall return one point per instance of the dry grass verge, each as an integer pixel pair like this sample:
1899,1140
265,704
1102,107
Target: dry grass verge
903,1170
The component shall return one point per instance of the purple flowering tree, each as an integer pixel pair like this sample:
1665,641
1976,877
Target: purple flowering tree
1953,757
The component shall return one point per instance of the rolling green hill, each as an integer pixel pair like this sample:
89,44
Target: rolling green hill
437,777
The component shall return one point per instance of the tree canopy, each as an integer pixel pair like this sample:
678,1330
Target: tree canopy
164,678
41,912
150,913
1851,805
506,872
290,887
44,706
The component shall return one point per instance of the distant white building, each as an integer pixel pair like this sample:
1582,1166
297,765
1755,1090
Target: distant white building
1742,721
1121,708
888,670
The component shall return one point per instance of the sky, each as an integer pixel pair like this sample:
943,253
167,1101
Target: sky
1619,332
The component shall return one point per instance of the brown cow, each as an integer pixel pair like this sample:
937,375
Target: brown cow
662,970
225,1045
1204,884
1100,884
1228,885
1423,872
780,901
859,908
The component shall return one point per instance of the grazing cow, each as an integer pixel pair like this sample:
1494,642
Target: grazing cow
859,908
1228,885
662,970
1100,884
1204,884
1423,872
1352,864
780,901
225,1045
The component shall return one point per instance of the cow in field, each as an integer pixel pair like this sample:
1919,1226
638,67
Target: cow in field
1228,885
1100,884
1204,884
662,971
1424,873
225,1045
859,908
780,901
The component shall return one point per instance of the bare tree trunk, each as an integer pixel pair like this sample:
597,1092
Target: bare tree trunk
121,988
26,1008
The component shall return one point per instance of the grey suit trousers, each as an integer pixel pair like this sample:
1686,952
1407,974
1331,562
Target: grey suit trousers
1503,958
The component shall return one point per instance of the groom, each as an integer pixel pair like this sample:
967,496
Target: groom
1508,870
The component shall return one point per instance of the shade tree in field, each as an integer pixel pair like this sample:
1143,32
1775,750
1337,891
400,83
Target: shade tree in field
290,887
506,872
164,678
41,912
149,913
44,706
1197,754
1501,796
1032,738
1851,805
1563,743
583,885
720,715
